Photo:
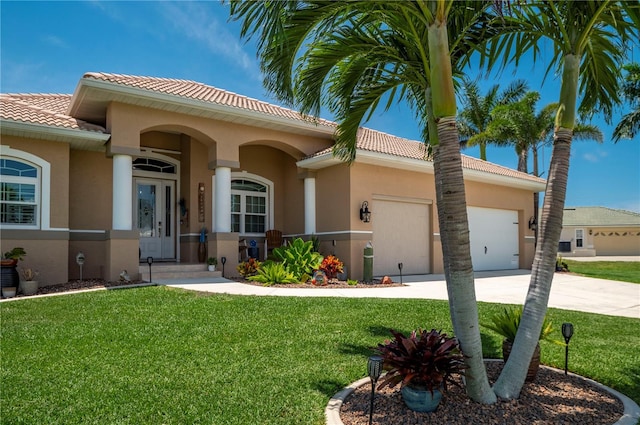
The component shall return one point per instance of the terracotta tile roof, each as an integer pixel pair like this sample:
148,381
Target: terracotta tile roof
43,109
202,92
383,143
599,216
51,109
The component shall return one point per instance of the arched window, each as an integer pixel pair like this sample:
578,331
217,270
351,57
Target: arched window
19,193
248,206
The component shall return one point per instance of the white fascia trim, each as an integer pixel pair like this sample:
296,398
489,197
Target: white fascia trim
421,166
40,129
193,103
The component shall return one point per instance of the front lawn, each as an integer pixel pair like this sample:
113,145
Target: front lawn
160,355
625,271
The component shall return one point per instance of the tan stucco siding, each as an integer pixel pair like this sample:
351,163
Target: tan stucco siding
90,193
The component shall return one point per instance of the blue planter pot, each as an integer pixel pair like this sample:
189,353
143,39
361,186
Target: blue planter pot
421,400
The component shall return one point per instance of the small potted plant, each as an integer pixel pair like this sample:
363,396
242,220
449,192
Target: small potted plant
29,284
212,262
423,363
10,277
506,324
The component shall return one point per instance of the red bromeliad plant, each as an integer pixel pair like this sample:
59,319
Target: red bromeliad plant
331,266
425,359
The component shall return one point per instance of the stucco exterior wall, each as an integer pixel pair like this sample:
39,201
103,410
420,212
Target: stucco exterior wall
602,241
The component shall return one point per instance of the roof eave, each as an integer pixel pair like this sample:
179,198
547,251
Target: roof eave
82,139
422,166
161,100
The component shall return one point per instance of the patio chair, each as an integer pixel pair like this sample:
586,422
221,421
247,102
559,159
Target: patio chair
243,250
273,240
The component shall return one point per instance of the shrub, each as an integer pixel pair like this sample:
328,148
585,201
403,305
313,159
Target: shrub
299,258
506,324
271,273
426,359
331,266
249,267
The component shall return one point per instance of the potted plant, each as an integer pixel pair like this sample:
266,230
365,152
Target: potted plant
29,284
212,262
9,274
423,363
506,324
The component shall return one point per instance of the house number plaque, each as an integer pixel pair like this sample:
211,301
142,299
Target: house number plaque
201,202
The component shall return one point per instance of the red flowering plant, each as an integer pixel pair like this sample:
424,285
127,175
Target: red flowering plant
425,359
249,268
331,266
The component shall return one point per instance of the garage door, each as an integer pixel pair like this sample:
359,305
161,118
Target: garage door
494,238
400,235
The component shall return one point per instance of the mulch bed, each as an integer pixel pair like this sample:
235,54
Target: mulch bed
554,398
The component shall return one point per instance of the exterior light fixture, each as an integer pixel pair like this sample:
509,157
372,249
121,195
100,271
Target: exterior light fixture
80,261
400,265
150,262
365,214
533,224
567,333
223,260
374,369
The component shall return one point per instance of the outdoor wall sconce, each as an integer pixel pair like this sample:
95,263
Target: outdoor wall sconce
567,333
365,214
374,369
533,224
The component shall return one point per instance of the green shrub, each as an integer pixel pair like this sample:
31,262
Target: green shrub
271,273
331,266
298,258
506,324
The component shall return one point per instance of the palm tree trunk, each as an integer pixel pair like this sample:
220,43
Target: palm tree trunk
512,378
452,216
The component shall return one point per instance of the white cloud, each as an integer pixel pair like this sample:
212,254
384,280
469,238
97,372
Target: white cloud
595,156
56,41
199,23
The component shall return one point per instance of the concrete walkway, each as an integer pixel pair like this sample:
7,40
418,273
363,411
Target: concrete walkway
568,291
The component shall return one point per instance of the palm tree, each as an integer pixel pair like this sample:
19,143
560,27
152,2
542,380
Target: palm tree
587,40
629,126
351,56
476,113
519,125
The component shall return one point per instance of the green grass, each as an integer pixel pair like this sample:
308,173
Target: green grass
159,355
625,271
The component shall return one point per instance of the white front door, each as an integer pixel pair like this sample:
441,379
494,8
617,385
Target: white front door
154,217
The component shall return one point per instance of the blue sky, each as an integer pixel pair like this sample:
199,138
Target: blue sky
47,46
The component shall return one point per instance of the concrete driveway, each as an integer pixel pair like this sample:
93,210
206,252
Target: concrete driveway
569,292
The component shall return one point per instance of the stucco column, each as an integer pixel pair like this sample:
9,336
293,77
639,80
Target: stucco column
223,200
122,216
309,205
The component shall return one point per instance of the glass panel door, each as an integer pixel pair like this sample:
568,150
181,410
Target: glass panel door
154,221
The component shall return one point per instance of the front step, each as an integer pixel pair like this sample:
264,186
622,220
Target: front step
163,271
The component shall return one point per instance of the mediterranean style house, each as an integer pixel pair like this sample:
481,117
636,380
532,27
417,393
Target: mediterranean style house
129,168
591,231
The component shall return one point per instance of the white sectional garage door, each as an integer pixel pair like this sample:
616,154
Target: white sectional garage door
400,235
494,238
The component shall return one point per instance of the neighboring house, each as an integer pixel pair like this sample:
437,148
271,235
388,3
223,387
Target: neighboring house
591,231
133,167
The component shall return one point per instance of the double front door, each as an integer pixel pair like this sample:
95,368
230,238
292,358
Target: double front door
155,218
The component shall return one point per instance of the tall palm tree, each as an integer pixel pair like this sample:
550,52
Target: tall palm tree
517,124
351,56
587,40
476,112
629,125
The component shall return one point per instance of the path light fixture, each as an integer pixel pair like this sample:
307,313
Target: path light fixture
533,224
374,369
80,261
150,262
223,260
567,333
400,265
365,214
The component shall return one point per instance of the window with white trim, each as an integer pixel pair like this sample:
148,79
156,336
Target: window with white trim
19,192
248,206
579,238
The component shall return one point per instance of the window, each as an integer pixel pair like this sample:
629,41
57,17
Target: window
19,192
579,238
248,206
